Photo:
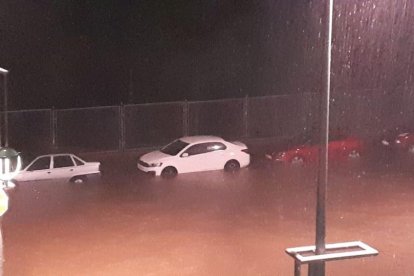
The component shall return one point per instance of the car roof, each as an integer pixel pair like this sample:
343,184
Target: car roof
201,139
55,154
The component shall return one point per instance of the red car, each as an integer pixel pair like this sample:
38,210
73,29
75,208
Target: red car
340,148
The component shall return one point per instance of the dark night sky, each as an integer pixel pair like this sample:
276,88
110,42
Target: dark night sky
80,53
67,53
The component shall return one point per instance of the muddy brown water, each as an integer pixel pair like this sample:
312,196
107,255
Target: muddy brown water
210,223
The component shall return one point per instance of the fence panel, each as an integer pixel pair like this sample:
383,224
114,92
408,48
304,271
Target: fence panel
364,113
368,113
397,109
30,130
152,124
280,116
223,118
88,129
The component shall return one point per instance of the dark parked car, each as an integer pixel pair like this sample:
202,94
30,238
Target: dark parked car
400,139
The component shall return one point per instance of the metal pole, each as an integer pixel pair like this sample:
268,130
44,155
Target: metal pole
3,194
53,125
297,268
318,269
4,72
121,142
1,113
186,118
130,86
246,116
6,117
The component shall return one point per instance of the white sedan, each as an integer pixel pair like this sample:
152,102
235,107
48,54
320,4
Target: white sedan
58,166
194,154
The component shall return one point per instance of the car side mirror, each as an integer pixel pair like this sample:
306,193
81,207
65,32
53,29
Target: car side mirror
185,154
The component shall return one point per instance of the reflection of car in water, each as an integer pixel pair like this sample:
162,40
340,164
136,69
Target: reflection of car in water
193,154
340,148
58,166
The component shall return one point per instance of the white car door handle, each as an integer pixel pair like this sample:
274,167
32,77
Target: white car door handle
48,172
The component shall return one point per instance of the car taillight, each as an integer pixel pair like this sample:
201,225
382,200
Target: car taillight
246,151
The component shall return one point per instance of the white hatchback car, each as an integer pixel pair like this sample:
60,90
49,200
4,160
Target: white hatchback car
59,166
194,154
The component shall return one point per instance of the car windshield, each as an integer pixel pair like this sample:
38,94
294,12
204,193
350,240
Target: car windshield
174,148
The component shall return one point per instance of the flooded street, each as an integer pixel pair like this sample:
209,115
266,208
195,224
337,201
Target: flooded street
210,223
299,81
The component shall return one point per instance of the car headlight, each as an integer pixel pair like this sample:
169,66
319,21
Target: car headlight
280,155
155,164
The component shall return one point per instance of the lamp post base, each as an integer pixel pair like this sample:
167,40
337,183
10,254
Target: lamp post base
334,252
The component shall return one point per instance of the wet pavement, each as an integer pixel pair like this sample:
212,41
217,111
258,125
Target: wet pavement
210,223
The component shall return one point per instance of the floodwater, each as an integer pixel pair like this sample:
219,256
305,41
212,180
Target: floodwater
210,223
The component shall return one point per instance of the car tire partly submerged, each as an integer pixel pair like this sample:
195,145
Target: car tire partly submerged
79,179
354,155
169,172
232,166
297,161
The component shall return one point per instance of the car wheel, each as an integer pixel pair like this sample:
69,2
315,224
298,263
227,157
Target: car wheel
169,172
297,161
354,154
79,179
232,166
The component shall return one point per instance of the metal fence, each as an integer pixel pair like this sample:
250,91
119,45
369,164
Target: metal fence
92,129
115,128
369,112
152,124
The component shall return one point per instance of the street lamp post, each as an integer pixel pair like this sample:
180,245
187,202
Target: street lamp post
316,256
4,72
8,168
4,200
318,268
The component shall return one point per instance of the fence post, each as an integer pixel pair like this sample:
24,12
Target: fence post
246,116
121,127
185,118
53,123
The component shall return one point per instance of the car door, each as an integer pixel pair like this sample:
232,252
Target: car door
190,160
216,156
203,157
84,168
39,169
336,146
63,167
309,151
